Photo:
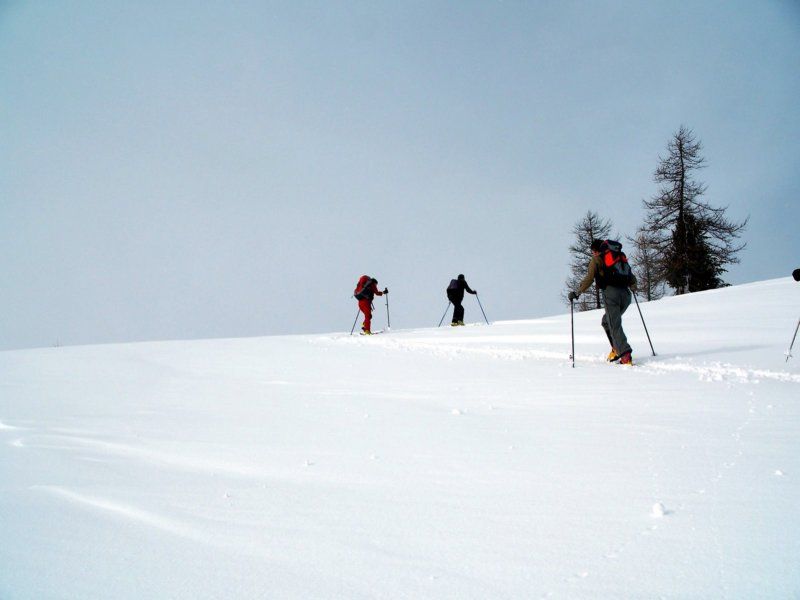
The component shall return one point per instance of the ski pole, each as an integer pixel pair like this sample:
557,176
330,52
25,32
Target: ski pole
789,351
388,322
572,330
354,322
481,305
643,323
444,315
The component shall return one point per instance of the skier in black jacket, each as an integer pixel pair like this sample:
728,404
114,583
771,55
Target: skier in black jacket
455,293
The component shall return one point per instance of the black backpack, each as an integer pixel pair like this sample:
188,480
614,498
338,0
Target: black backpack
363,287
616,270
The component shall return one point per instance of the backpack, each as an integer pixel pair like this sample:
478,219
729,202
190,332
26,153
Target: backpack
453,285
363,287
617,272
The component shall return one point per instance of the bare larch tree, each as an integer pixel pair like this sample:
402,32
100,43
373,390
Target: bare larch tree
693,241
644,262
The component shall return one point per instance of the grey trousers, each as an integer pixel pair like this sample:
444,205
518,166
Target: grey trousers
617,301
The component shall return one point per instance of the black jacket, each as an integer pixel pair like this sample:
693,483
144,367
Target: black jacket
455,291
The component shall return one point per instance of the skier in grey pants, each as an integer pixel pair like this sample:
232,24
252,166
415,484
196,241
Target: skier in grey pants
616,299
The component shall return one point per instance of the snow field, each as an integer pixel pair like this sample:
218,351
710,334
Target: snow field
465,462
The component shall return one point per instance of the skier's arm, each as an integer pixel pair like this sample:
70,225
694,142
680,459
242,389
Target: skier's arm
589,279
466,287
376,290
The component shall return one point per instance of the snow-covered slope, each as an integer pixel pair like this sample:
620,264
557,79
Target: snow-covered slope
451,463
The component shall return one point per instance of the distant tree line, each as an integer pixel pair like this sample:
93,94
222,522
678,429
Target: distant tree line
684,243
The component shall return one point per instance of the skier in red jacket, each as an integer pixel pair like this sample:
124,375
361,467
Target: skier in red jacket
365,291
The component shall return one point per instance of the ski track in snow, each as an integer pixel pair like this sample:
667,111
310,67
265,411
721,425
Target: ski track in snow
717,371
477,346
448,348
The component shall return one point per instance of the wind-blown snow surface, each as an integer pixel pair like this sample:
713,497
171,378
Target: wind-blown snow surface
451,463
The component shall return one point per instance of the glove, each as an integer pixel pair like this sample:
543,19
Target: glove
385,290
573,296
633,287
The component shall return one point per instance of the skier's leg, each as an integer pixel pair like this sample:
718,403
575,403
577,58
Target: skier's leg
613,355
607,329
624,303
458,312
625,299
617,300
366,308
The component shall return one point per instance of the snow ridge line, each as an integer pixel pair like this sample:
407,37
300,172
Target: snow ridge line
186,463
128,512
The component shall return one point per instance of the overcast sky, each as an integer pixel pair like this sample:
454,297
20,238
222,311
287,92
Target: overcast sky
213,169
